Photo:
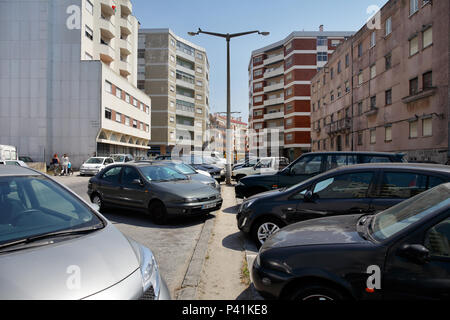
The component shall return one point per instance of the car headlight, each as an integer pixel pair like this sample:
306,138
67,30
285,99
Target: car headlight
189,200
222,171
247,204
149,271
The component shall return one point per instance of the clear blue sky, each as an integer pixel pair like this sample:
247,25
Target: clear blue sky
280,18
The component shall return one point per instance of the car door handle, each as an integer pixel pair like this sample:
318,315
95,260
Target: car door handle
290,210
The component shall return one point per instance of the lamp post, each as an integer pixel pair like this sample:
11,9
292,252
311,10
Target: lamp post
228,37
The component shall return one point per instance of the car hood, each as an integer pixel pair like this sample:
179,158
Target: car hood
91,165
188,189
101,259
330,230
198,177
266,194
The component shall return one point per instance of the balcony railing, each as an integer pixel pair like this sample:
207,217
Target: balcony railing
274,72
338,126
274,59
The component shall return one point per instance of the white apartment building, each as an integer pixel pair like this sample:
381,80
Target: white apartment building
68,75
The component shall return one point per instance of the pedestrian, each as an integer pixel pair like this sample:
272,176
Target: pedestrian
65,164
55,163
69,168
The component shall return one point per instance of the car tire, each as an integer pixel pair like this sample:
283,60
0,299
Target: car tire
97,199
317,293
263,228
158,212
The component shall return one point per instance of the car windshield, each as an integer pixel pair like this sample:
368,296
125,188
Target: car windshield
95,161
391,221
183,168
161,173
118,158
34,205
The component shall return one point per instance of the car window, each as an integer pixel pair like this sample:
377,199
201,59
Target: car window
375,159
128,175
12,163
118,158
112,175
344,186
434,181
300,194
334,161
265,163
402,184
161,173
437,239
94,161
307,165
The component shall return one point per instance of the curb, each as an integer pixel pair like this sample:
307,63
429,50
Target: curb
250,255
191,279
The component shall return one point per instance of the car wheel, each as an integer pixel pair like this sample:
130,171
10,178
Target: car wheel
158,212
97,199
264,228
317,293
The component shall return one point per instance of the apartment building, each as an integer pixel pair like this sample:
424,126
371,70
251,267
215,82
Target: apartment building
386,89
217,135
68,78
279,89
175,74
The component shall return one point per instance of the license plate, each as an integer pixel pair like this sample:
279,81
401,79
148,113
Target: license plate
208,206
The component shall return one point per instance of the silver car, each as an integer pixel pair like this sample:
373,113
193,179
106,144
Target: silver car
53,245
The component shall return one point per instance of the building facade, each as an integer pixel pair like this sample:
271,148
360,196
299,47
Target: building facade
175,74
68,79
386,89
279,89
217,135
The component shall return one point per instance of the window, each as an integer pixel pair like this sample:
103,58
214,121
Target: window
335,161
127,97
112,175
289,137
87,56
332,95
373,136
373,39
135,124
289,46
360,138
135,103
388,133
413,45
437,239
373,71
199,70
127,121
373,102
257,59
427,127
199,83
360,78
322,41
427,80
388,61
307,165
199,56
388,26
388,96
339,67
345,186
118,117
119,93
332,73
289,92
199,110
258,85
413,86
290,106
360,108
108,86
172,58
89,33
413,6
413,129
402,185
258,126
339,92
347,60
322,56
257,99
89,7
108,114
199,97
428,37
257,72
289,62
289,76
360,49
172,88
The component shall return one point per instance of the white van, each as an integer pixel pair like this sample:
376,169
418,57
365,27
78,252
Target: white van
8,153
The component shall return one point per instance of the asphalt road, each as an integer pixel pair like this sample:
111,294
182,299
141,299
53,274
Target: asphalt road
172,244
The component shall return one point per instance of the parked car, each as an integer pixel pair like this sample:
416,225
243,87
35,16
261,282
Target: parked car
155,189
51,239
122,157
26,159
19,163
267,165
307,166
94,165
164,157
363,188
400,253
245,163
203,163
189,171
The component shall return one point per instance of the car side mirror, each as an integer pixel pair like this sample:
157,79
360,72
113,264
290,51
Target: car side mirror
415,252
138,182
309,196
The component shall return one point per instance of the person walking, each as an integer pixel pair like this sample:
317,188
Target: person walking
65,164
55,164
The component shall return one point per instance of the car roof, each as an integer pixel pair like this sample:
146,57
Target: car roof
7,171
356,152
396,165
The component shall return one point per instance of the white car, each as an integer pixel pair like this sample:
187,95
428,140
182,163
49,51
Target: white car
94,165
19,163
265,165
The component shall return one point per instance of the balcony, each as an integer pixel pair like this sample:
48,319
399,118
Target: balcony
125,47
185,55
106,53
187,127
185,84
273,59
274,73
274,115
124,68
340,126
185,98
274,87
106,7
275,101
107,29
126,7
125,26
184,111
186,70
420,95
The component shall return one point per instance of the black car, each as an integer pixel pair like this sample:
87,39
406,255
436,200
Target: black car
155,189
400,253
307,166
362,188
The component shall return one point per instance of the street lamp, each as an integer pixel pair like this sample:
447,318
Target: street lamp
228,37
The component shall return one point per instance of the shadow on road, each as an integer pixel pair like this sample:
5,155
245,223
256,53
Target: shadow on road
234,241
232,210
246,294
140,219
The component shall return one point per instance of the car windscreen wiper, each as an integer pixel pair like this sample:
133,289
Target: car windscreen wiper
51,235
